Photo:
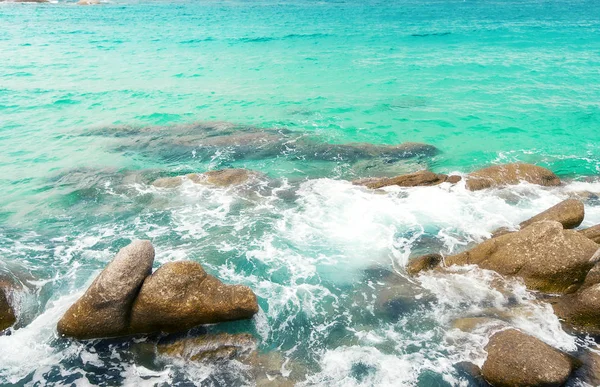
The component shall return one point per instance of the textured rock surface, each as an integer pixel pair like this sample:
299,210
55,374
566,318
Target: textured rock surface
592,233
424,262
212,348
181,295
546,256
517,359
421,178
510,174
581,310
569,213
104,309
7,314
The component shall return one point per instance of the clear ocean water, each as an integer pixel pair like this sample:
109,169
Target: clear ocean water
97,101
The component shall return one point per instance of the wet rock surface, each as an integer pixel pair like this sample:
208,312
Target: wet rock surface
219,178
517,359
569,213
417,179
210,347
424,262
581,310
7,314
510,174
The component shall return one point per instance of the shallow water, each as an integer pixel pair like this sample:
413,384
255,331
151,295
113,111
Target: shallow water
97,102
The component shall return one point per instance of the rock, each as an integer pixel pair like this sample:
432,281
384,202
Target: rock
510,174
211,348
181,295
581,310
424,262
88,2
569,213
592,277
453,179
472,373
592,233
469,324
547,257
590,370
220,178
104,309
517,359
7,314
417,179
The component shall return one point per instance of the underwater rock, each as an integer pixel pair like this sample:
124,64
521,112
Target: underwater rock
472,372
510,174
581,310
104,309
546,256
424,262
469,324
7,314
210,348
592,233
417,179
181,295
219,178
517,359
569,213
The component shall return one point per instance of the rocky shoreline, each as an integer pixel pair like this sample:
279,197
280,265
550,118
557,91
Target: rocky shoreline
555,261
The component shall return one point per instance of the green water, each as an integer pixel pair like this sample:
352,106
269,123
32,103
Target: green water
92,105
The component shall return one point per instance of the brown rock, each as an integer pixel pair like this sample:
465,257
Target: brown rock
569,213
592,277
517,359
211,348
546,256
453,179
592,233
103,311
510,174
469,324
220,178
7,314
424,262
581,310
590,370
181,295
421,178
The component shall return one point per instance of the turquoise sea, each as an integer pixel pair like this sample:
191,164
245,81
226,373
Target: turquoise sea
98,101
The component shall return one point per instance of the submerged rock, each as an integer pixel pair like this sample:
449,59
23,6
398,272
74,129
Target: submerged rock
417,179
7,314
546,256
581,310
211,348
469,324
103,311
592,233
517,359
220,178
181,295
510,174
424,262
569,213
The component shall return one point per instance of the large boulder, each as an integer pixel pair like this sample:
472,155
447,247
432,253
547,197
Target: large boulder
7,314
592,233
517,359
510,174
569,213
581,310
546,256
181,295
211,348
219,178
417,179
104,309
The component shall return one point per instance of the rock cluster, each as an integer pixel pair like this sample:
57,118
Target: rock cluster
127,299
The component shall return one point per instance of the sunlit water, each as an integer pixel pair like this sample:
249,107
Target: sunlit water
96,102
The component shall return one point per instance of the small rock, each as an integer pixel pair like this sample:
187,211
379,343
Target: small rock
424,262
104,308
453,179
417,179
510,174
569,213
181,295
546,256
211,348
592,233
581,310
7,314
517,359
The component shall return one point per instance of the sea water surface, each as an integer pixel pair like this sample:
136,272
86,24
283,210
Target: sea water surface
97,101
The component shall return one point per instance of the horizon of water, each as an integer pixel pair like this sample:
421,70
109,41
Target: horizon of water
96,101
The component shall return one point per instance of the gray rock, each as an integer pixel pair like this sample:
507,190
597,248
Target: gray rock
104,309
